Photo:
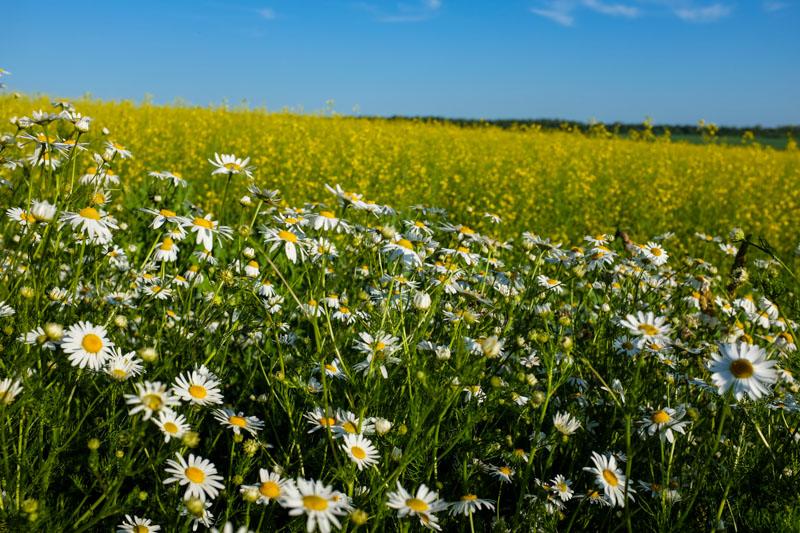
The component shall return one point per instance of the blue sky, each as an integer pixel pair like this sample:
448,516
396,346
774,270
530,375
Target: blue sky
677,61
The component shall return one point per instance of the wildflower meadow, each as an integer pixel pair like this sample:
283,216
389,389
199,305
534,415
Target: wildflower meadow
235,320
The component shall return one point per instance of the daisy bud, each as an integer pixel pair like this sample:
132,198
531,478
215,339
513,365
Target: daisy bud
238,480
382,426
736,235
565,321
105,131
108,155
566,342
120,321
250,495
82,124
93,444
238,437
422,301
30,506
250,447
278,470
491,346
496,382
245,201
54,331
43,211
195,506
131,249
605,308
191,439
142,495
403,429
244,231
120,454
249,253
537,398
148,354
397,453
531,379
27,292
442,353
359,517
388,232
448,307
123,226
469,317
15,238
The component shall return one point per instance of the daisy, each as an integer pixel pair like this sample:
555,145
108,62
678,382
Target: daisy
36,336
200,517
199,474
360,450
166,251
20,216
561,488
648,328
161,216
333,370
328,221
173,425
599,257
175,177
610,479
6,310
468,504
565,423
151,397
230,164
9,389
293,243
319,420
113,148
272,486
744,367
206,229
198,388
91,221
655,253
663,421
550,284
238,421
123,366
403,249
503,473
319,502
134,524
423,504
87,345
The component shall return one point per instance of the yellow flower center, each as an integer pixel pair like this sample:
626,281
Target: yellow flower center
139,528
167,213
659,417
656,251
237,421
196,391
177,175
344,310
463,250
153,401
167,244
350,427
92,343
233,166
327,214
552,282
417,504
504,470
315,503
203,223
119,146
118,373
269,489
327,421
468,498
169,427
405,243
194,474
465,230
648,329
357,452
89,212
253,264
741,369
287,236
379,346
610,478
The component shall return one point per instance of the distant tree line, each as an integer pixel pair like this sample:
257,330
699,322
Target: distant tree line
617,127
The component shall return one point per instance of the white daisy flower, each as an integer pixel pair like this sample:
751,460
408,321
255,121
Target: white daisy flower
230,164
87,345
173,425
151,397
134,524
198,388
319,502
200,476
238,421
423,504
744,367
610,479
360,450
271,487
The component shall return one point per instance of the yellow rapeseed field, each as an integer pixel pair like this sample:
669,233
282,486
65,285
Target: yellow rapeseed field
560,184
